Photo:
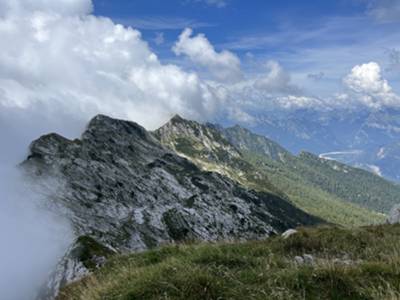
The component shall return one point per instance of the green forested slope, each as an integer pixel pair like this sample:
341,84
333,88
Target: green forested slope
350,184
312,198
353,184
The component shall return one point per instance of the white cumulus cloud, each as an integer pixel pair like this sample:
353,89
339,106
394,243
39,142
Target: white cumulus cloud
372,90
87,65
224,65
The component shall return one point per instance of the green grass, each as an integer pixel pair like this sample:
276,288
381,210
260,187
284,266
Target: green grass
313,198
361,263
352,184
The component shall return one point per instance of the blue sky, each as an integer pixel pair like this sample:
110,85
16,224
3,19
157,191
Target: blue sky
208,60
314,40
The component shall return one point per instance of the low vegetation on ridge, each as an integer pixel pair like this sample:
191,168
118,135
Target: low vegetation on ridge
315,263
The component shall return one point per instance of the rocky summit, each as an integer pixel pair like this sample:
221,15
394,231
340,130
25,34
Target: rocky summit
206,146
123,191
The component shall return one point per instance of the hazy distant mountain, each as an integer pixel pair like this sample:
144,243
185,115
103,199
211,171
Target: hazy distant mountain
363,138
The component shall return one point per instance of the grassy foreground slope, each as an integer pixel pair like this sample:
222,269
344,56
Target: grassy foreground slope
362,263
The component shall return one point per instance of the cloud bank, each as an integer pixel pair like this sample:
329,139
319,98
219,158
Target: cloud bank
85,65
63,59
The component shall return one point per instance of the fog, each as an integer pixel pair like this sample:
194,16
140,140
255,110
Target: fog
33,237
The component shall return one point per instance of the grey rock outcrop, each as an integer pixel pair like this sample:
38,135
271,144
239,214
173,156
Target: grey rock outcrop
394,215
305,259
82,257
288,233
127,192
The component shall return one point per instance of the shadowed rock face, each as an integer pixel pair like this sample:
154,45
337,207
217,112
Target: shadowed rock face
121,187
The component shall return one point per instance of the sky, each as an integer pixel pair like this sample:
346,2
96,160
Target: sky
208,60
318,42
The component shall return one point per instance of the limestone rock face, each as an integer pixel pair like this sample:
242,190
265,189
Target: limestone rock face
119,186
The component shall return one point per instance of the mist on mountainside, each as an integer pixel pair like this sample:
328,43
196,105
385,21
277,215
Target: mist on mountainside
34,236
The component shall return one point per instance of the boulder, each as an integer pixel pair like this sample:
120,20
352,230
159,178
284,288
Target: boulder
394,215
289,233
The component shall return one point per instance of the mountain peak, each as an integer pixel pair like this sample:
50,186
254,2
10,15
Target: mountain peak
177,117
102,125
106,121
205,136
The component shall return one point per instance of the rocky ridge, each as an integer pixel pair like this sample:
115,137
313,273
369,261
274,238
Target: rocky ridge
207,147
124,191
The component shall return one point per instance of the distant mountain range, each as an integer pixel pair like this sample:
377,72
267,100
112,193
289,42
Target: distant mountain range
370,140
